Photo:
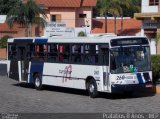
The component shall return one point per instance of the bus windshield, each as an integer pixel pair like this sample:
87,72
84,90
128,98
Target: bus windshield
130,59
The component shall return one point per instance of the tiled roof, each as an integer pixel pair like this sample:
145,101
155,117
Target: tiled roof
89,2
66,3
130,26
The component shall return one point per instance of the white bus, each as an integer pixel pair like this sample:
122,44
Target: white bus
102,64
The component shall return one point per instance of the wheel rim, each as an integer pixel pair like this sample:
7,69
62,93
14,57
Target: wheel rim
37,82
91,88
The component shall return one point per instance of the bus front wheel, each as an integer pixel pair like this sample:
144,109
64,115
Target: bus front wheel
92,89
37,82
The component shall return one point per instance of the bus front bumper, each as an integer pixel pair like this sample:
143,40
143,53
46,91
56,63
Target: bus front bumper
117,88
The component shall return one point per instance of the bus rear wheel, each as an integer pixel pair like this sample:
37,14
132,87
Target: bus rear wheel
92,89
37,82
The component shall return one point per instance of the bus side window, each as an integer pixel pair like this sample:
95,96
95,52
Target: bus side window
52,52
91,54
37,51
64,52
105,56
77,53
61,53
12,52
30,51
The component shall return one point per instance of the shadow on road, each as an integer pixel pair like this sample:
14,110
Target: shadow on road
137,94
3,69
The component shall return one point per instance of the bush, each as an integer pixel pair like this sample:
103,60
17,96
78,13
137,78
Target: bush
155,59
3,41
81,34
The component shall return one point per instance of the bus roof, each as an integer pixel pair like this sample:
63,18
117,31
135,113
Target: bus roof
70,40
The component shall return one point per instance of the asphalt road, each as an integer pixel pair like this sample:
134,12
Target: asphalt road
15,97
23,98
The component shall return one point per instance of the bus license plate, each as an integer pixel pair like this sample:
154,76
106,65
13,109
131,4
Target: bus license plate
148,85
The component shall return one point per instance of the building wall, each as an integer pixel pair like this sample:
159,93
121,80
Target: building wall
17,31
80,22
146,8
125,27
3,53
68,15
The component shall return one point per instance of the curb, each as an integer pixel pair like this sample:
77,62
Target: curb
153,90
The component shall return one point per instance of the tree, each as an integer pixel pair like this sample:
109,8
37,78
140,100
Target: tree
157,39
81,34
114,8
3,41
117,7
6,5
134,8
26,14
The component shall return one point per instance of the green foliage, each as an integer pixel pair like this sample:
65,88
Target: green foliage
155,67
157,39
3,41
125,8
26,15
6,5
81,34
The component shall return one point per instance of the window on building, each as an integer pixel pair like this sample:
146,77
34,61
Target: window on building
56,18
153,2
82,15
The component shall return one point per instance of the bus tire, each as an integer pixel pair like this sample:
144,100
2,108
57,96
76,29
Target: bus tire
37,82
92,88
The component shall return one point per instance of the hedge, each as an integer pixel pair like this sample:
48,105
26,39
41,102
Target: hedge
155,59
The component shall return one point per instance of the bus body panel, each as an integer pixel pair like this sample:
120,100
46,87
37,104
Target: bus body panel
69,75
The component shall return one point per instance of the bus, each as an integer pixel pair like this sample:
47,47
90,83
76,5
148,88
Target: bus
113,64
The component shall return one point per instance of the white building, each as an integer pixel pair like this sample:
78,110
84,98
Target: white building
150,16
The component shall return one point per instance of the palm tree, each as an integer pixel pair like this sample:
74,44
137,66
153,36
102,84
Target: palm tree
6,5
26,14
114,7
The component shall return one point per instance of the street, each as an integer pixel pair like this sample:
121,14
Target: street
23,98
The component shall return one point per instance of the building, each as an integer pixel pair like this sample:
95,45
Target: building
74,13
125,26
150,16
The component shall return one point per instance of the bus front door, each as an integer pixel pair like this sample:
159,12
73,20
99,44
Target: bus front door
105,63
22,64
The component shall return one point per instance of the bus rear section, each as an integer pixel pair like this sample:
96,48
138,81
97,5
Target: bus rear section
130,64
18,61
